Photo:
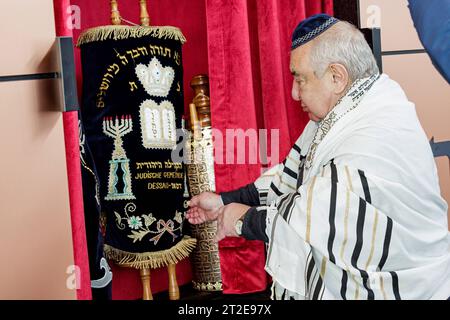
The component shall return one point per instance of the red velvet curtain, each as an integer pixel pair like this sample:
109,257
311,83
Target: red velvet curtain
248,53
244,47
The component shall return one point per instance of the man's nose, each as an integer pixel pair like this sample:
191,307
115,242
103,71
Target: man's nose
295,91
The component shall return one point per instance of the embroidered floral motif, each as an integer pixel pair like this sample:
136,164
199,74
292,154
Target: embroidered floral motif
134,222
139,225
116,129
148,219
178,217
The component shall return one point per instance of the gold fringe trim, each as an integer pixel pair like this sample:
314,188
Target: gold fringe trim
124,32
152,260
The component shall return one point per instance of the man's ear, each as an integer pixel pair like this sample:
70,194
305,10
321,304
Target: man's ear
340,78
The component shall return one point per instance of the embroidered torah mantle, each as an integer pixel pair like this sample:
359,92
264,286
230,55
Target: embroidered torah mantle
131,107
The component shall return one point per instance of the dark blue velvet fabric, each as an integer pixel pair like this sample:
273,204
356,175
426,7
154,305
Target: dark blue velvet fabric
310,28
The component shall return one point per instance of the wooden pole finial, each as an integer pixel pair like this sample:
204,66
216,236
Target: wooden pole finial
200,84
174,290
145,278
115,15
145,19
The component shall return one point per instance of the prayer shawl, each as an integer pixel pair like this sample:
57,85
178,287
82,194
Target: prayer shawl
354,211
132,106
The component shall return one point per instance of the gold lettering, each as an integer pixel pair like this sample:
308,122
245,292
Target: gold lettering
123,59
176,56
133,53
114,67
142,50
165,51
133,86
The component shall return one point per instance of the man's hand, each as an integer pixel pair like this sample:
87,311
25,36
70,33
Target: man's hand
204,207
206,201
196,215
227,218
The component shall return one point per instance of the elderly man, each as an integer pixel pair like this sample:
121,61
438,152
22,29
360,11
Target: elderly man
354,211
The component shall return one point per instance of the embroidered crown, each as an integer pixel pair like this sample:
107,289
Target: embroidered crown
155,79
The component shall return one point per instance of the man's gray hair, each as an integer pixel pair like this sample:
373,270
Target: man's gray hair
343,43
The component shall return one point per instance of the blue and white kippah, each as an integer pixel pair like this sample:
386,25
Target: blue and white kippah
310,28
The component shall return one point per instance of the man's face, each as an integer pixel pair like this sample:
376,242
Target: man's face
316,95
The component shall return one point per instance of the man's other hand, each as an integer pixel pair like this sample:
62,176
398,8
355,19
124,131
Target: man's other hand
206,201
196,215
227,218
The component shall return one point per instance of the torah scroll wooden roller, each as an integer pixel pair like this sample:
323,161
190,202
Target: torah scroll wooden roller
115,14
200,85
145,19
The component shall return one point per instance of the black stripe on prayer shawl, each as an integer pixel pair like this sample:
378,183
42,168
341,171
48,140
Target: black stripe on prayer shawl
263,197
297,148
291,209
323,290
318,289
344,281
365,186
313,281
283,296
364,274
281,205
300,173
288,208
387,242
275,189
358,246
287,213
309,272
269,253
306,270
334,181
395,285
290,172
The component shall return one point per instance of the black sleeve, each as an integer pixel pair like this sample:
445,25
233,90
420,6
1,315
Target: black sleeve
247,195
254,226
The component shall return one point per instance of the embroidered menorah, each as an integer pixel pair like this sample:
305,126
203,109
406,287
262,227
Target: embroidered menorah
119,181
